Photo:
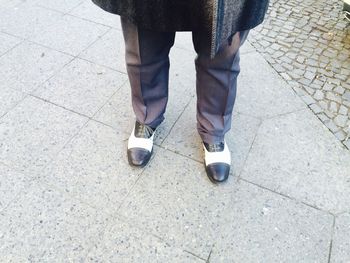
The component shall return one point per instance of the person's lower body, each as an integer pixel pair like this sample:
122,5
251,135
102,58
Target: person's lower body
147,60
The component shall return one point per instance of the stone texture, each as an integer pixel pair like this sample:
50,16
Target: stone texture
258,226
124,243
43,224
25,20
315,50
187,141
320,178
341,241
82,87
9,98
7,42
118,111
93,167
89,11
28,65
33,132
12,183
260,90
67,192
113,42
62,5
70,35
165,202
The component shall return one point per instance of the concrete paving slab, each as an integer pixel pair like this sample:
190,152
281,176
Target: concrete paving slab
93,167
7,42
182,69
297,156
113,51
70,34
246,48
9,99
28,65
175,201
10,3
11,184
183,40
341,241
184,138
171,200
257,225
82,86
261,92
124,243
89,11
43,224
33,132
118,112
26,20
63,6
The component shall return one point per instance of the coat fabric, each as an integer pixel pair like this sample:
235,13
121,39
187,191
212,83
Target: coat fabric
218,18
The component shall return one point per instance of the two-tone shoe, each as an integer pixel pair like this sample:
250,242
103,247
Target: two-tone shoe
217,161
140,145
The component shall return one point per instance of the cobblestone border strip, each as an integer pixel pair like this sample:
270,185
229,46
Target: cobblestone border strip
308,44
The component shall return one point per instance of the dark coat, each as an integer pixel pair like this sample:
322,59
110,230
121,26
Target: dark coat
220,18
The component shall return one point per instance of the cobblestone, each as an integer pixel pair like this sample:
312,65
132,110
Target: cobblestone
309,43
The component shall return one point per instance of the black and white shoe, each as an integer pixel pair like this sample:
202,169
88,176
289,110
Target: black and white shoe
140,145
217,161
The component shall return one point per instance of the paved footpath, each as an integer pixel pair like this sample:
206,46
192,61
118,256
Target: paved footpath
308,43
67,193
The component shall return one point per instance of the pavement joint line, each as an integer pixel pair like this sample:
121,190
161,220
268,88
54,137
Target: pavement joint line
40,171
136,181
182,112
191,253
248,115
341,142
208,259
180,154
91,21
49,9
48,47
15,46
12,35
93,42
25,95
250,148
286,196
105,66
69,54
331,241
342,213
73,111
60,106
62,12
277,116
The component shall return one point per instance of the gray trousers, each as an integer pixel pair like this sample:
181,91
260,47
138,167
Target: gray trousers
147,61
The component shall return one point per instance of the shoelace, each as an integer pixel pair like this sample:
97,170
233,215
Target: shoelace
218,147
143,131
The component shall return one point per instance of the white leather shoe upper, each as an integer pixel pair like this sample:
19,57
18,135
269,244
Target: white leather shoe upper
217,157
144,143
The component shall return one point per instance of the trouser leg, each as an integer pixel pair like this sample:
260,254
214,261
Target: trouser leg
147,62
216,85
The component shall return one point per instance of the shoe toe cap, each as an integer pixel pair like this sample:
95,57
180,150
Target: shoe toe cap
218,172
138,156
